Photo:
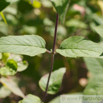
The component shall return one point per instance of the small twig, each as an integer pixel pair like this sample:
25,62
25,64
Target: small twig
52,59
48,51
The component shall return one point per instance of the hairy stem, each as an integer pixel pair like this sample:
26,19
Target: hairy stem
52,58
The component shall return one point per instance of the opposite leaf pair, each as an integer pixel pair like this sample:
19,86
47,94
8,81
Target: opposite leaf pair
75,46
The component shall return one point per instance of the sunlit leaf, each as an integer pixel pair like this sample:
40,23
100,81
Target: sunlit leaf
77,46
2,15
99,30
94,65
100,3
95,86
55,81
5,56
9,69
12,86
28,45
4,92
76,23
22,64
30,99
36,4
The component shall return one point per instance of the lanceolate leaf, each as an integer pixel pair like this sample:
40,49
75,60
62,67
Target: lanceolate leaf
28,45
99,30
9,69
4,18
77,46
61,7
31,99
12,86
55,81
94,65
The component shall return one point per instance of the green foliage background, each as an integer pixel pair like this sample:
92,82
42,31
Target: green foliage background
24,18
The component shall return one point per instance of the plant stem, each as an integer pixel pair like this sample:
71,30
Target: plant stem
48,51
52,58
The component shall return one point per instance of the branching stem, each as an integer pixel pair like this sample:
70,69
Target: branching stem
52,58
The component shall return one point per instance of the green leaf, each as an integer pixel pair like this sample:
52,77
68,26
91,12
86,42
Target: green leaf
5,3
61,7
30,99
28,45
9,69
5,56
94,65
99,30
95,86
55,81
24,6
76,23
22,65
4,18
12,86
3,28
4,92
55,100
77,46
0,55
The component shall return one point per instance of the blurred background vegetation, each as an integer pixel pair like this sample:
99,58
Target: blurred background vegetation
24,18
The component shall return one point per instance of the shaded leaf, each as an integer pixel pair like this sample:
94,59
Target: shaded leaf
77,46
76,23
95,86
55,81
5,3
3,28
24,6
94,65
9,69
4,92
99,30
12,86
61,7
30,99
28,45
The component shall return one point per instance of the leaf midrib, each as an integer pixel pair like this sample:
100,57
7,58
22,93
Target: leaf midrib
80,50
22,45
